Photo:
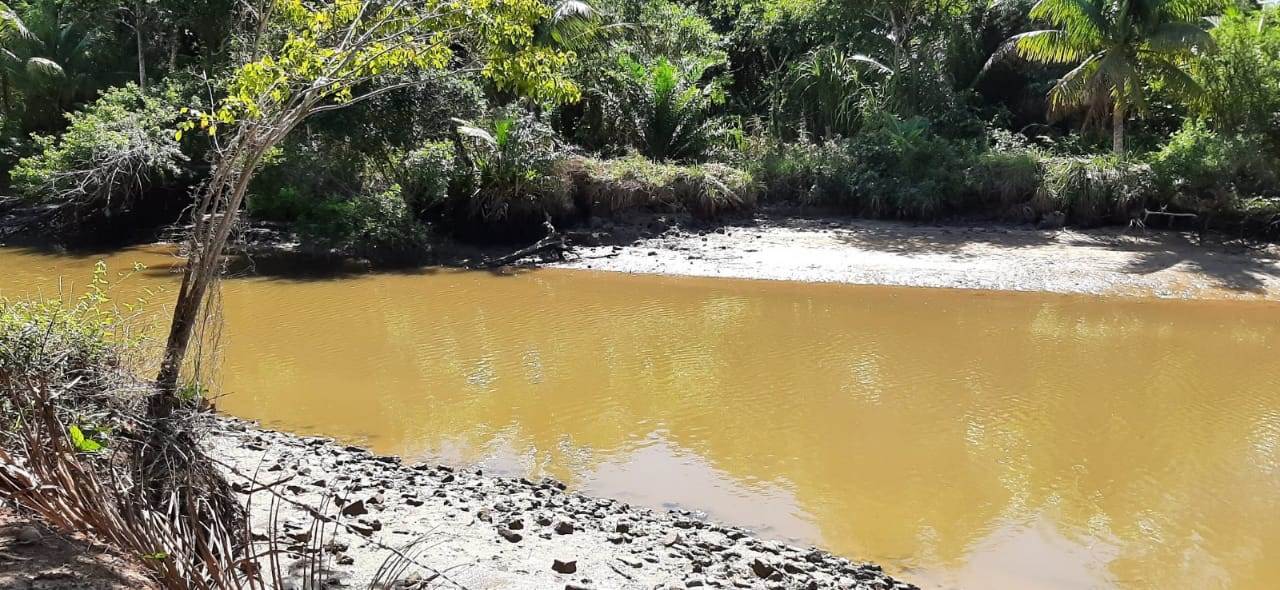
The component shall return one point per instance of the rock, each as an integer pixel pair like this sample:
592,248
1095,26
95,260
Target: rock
563,527
622,527
510,535
356,508
671,538
300,536
564,567
762,569
572,586
346,560
694,582
515,524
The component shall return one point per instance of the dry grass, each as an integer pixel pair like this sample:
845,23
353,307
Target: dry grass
606,188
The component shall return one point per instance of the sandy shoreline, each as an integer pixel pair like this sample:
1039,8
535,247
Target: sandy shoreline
1098,262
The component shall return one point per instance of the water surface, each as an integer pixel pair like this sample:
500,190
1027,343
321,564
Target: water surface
961,438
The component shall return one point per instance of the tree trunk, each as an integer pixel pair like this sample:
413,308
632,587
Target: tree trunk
4,93
137,34
215,216
1117,129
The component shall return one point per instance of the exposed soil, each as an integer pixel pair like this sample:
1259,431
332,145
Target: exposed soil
831,249
32,557
470,530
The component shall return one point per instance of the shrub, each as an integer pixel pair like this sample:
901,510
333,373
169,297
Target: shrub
377,226
1094,190
1199,163
706,191
512,181
1240,80
82,345
426,174
1003,179
895,168
286,204
111,153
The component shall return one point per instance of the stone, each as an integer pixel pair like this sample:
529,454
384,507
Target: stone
510,535
563,527
515,524
762,569
356,508
564,567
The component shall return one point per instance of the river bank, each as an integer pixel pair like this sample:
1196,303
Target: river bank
986,256
468,529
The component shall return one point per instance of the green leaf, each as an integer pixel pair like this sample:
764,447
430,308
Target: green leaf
82,443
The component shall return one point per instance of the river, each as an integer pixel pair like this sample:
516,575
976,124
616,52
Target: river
960,438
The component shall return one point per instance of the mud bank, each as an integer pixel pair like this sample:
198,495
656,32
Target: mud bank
1100,262
468,529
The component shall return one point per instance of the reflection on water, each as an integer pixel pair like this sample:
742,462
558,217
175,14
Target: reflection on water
968,439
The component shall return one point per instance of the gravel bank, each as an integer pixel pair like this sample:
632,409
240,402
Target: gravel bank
479,531
1100,262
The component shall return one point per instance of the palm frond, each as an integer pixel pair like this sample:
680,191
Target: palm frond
469,129
865,59
11,25
1186,10
573,24
1076,88
1177,79
40,66
1082,19
1178,37
1050,46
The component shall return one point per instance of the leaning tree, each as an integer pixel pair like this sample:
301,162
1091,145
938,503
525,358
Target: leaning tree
304,58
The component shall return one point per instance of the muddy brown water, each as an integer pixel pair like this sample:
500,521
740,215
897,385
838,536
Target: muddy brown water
960,438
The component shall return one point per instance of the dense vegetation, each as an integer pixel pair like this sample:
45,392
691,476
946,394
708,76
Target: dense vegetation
1049,112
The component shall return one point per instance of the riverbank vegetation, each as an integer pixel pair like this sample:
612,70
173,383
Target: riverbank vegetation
1049,112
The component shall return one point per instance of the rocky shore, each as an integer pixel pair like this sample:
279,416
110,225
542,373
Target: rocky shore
456,528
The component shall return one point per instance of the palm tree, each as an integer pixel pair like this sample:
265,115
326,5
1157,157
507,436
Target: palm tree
1116,46
669,109
829,88
15,38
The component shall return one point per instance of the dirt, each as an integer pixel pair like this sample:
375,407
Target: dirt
472,530
32,557
1100,262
